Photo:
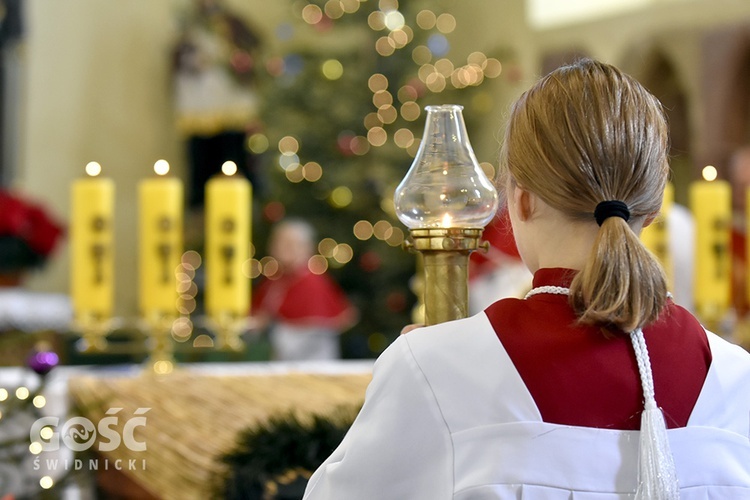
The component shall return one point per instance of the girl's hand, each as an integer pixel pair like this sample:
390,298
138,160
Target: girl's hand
409,328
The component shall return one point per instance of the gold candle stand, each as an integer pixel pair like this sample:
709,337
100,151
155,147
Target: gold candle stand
445,253
228,328
94,331
158,330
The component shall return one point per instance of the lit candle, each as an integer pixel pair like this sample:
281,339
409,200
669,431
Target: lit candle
91,240
656,235
227,243
447,221
160,231
710,203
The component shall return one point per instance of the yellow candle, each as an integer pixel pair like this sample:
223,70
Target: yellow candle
656,235
92,249
710,203
747,245
227,291
160,248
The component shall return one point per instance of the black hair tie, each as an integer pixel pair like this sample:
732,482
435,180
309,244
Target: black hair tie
611,208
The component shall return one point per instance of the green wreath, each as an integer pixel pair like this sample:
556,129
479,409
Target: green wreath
274,460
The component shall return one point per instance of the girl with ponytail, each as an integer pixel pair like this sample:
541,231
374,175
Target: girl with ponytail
595,385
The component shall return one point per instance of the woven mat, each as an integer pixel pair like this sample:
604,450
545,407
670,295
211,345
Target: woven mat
194,419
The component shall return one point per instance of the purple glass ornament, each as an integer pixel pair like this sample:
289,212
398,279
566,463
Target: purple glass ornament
43,361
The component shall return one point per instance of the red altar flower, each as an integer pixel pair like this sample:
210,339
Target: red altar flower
28,234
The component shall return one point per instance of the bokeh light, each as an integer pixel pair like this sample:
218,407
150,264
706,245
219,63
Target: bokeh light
382,229
445,23
341,197
410,111
257,143
387,114
343,253
377,136
334,9
426,19
376,21
332,69
312,14
421,54
317,264
372,120
326,246
312,171
363,230
403,138
394,20
385,46
288,144
295,174
377,82
382,98
288,161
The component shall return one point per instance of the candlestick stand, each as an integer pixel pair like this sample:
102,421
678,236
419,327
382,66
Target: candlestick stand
445,253
94,331
228,328
158,330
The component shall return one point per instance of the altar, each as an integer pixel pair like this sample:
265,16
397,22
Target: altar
140,435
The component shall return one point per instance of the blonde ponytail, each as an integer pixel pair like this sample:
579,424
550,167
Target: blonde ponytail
622,286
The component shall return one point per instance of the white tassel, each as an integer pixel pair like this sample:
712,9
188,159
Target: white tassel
657,475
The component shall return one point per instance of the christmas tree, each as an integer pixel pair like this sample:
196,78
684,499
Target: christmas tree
343,96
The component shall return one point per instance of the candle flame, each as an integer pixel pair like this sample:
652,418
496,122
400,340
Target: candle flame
161,167
710,173
447,220
229,168
93,169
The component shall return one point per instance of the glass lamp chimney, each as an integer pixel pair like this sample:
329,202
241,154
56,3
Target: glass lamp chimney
445,186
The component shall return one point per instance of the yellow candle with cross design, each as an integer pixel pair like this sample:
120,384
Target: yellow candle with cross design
160,242
656,235
710,204
746,271
228,210
92,246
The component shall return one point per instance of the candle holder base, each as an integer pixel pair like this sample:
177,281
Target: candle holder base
158,328
228,329
94,330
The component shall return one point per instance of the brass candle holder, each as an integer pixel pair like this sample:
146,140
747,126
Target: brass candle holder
445,253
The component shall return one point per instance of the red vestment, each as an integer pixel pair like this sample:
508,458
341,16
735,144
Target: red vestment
577,376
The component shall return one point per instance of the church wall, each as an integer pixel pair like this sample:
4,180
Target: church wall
704,42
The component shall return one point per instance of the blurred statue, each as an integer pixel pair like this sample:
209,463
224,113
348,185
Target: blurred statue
215,98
